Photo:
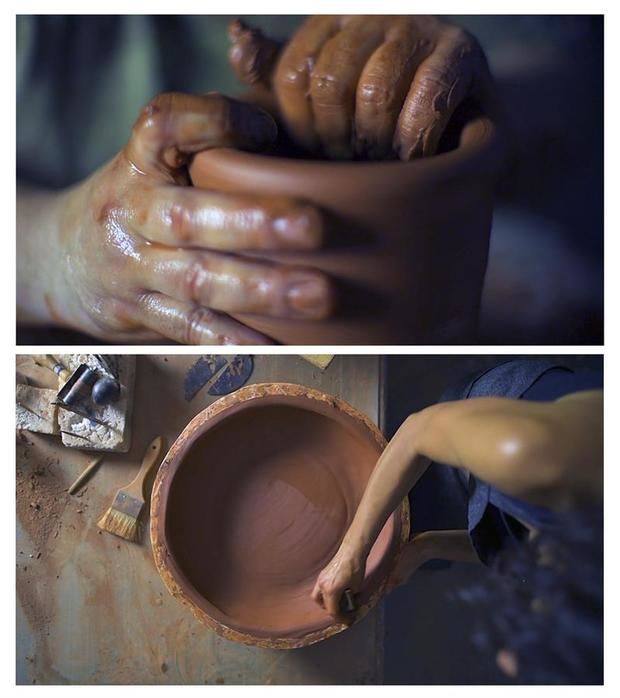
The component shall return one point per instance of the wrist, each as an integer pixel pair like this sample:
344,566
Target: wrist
62,299
38,217
354,548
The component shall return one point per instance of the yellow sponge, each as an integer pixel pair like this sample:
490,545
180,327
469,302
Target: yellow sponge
321,361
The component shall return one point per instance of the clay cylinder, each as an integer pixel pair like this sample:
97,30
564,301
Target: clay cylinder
253,500
406,243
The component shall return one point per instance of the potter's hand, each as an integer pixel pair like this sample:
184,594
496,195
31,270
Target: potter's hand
139,255
367,86
345,571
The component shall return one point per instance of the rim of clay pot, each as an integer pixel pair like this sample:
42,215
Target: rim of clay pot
164,561
479,143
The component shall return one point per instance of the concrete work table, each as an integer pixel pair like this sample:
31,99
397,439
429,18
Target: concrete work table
91,607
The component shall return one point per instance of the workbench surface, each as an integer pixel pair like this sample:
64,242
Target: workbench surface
91,607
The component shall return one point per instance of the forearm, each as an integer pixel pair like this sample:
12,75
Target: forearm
455,546
38,215
397,471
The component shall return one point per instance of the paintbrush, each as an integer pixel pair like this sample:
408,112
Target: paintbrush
121,518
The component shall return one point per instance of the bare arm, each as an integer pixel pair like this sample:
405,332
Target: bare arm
546,453
455,546
37,255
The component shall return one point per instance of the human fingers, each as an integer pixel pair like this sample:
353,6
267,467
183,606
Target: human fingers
252,55
334,82
188,217
317,593
190,323
232,284
292,77
383,86
441,83
329,598
330,587
174,126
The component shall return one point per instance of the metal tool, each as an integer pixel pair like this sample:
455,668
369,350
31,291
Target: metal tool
109,363
77,436
219,374
347,601
107,389
78,388
83,413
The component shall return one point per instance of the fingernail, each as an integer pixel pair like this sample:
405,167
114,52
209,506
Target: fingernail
308,297
301,228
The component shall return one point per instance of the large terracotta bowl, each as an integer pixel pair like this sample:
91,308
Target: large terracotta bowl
407,243
253,500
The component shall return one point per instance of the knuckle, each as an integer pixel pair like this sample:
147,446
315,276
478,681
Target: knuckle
180,219
260,289
291,77
106,213
329,90
422,46
154,118
459,35
466,46
196,281
373,94
197,318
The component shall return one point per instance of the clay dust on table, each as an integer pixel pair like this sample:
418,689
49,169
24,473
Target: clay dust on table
41,500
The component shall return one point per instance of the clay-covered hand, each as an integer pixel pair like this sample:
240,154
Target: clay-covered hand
144,256
344,571
373,87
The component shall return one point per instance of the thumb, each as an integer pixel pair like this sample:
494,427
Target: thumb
175,126
252,55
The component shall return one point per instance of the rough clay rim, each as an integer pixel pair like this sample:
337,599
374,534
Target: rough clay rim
483,138
192,430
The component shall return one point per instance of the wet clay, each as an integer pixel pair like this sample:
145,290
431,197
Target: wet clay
256,506
406,242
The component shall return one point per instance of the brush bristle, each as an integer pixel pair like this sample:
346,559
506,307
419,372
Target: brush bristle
120,524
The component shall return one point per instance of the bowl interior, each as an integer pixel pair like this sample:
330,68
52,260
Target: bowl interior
259,504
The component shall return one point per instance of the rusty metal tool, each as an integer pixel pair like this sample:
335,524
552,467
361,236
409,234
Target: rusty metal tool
78,388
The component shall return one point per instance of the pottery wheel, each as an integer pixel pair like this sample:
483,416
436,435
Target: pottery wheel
259,504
